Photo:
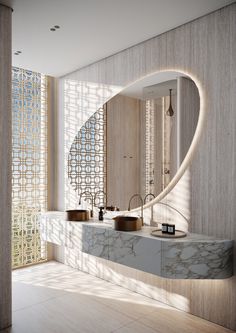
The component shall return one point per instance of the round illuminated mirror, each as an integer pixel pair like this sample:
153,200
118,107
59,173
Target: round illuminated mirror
136,142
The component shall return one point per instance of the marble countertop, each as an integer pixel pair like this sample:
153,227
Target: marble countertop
108,223
192,257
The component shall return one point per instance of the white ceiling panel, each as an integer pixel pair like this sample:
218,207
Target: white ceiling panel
92,29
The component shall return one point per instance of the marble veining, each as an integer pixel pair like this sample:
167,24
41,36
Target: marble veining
95,241
193,257
135,251
197,260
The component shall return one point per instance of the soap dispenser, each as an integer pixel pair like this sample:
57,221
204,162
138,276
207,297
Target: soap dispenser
100,215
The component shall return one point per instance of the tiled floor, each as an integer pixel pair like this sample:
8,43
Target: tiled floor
54,298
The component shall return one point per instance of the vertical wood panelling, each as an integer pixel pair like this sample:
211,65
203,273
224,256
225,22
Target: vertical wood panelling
123,134
158,154
5,166
142,148
52,131
188,112
205,49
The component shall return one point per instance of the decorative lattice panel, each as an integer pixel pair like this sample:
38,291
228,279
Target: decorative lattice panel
29,165
151,128
80,100
150,146
87,158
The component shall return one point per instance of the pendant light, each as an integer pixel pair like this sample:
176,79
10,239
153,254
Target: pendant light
170,111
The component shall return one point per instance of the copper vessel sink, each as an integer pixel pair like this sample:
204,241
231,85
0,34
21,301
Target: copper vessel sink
127,223
78,215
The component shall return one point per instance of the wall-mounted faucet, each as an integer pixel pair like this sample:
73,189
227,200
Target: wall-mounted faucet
145,198
92,200
104,202
147,195
141,199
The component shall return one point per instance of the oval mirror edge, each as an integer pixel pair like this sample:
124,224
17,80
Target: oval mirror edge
194,144
195,140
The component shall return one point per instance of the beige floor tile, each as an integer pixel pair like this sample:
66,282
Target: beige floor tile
25,295
135,327
57,276
130,306
65,279
54,298
174,321
41,272
68,313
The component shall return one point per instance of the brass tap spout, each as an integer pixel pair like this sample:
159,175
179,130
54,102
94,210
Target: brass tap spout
145,198
104,202
92,200
147,195
141,199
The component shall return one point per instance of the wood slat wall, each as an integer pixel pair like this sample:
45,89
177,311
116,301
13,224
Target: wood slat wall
188,106
205,49
123,134
5,166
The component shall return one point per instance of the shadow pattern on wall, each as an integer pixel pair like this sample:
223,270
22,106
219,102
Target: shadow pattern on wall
87,158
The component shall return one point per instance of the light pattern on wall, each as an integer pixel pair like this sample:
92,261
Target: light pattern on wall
81,99
166,142
87,158
152,126
150,147
29,165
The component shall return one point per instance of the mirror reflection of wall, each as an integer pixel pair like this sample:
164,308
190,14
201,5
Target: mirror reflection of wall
160,136
141,143
145,146
140,146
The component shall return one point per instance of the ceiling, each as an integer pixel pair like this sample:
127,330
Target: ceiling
157,84
92,29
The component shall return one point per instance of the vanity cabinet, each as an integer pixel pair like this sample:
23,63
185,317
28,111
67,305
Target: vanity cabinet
53,228
193,257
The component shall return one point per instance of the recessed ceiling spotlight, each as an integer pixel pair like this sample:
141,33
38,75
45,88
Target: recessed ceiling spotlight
55,27
17,52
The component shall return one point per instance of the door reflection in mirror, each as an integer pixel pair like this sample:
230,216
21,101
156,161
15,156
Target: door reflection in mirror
136,146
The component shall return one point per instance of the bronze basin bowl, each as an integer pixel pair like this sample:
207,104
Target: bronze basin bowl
127,223
78,215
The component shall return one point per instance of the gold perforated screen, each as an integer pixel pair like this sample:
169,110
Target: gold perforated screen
150,147
87,158
29,165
